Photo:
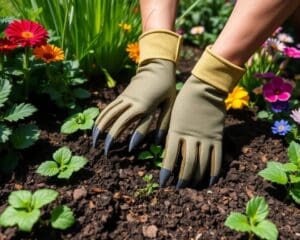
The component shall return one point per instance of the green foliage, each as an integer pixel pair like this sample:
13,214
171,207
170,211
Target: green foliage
287,174
254,222
80,121
149,188
211,14
89,30
14,136
24,210
155,154
63,165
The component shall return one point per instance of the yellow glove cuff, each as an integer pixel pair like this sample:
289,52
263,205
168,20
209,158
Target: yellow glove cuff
217,71
159,44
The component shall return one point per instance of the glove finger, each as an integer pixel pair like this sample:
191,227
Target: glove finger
141,131
164,120
124,121
172,150
203,158
189,161
216,162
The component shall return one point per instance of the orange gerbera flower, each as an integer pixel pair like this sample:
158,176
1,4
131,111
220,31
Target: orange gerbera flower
49,53
6,45
237,99
133,52
26,33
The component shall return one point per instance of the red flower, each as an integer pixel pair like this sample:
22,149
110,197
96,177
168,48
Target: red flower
26,33
6,45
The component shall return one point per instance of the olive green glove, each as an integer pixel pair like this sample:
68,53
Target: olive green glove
197,120
151,87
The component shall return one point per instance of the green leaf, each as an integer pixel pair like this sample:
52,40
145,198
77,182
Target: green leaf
65,174
274,173
289,167
266,230
156,149
77,162
19,112
238,222
5,132
145,155
88,124
263,115
43,197
257,209
26,220
20,199
48,168
5,89
81,93
91,113
62,155
62,217
294,152
179,86
295,192
294,178
69,127
7,218
25,136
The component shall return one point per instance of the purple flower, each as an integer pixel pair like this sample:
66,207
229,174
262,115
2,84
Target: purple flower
277,90
281,127
292,52
296,115
279,106
266,75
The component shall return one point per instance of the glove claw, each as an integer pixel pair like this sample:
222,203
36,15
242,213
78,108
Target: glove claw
164,175
160,136
95,135
107,144
213,180
135,140
181,184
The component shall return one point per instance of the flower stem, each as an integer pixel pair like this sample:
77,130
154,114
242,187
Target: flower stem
26,71
1,63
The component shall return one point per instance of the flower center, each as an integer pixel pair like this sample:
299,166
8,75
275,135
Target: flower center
48,56
27,35
281,128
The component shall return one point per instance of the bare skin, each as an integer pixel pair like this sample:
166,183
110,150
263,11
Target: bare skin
158,14
249,25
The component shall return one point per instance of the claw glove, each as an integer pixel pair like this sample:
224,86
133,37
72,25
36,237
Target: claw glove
153,85
197,120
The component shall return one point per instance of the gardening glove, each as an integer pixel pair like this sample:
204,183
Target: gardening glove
197,121
151,87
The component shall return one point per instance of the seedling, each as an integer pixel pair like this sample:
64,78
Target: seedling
254,222
150,187
80,121
155,154
63,165
287,174
24,210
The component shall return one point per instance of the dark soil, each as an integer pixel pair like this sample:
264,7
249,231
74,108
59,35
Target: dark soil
102,195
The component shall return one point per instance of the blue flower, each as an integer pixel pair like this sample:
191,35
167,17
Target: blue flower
279,106
281,127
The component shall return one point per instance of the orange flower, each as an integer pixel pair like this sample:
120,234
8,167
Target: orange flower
237,99
49,53
133,51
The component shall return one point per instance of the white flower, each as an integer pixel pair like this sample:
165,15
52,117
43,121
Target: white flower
283,37
197,30
296,115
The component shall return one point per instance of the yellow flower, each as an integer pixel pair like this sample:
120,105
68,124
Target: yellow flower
133,51
49,53
126,27
237,99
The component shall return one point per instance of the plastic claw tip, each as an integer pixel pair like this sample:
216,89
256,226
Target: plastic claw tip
95,135
213,180
107,144
135,140
181,184
160,136
164,175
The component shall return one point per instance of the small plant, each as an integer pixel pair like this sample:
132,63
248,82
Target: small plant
155,154
63,165
12,136
150,187
24,210
80,121
254,221
287,174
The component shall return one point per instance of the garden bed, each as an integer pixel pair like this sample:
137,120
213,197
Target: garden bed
102,195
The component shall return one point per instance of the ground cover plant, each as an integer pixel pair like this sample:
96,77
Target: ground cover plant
117,197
